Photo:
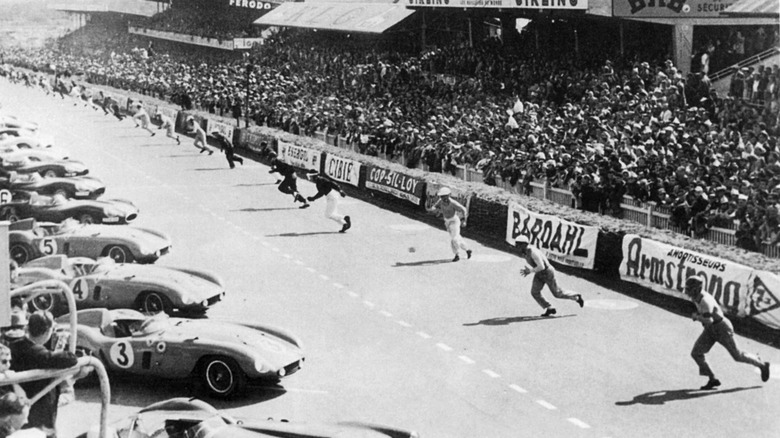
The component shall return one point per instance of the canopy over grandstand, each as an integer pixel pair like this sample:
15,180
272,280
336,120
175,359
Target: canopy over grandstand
130,7
343,16
754,9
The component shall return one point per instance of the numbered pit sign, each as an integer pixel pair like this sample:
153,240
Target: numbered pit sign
122,354
48,246
80,288
5,196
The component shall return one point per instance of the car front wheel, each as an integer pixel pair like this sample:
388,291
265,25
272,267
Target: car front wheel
222,377
119,253
154,302
21,253
51,173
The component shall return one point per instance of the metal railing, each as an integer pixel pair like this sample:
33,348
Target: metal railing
720,74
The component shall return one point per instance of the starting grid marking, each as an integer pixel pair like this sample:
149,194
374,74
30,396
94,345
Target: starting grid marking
440,345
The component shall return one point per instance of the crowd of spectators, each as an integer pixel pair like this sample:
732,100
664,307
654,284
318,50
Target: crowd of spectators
719,47
603,128
190,19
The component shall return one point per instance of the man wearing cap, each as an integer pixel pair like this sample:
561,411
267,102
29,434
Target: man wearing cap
289,184
226,146
330,189
30,353
717,329
200,135
452,210
544,273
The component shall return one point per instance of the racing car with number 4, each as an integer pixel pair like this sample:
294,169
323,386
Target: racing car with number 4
222,357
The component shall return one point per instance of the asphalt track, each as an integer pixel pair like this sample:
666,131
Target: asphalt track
400,338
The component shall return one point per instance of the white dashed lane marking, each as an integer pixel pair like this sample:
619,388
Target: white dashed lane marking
386,313
424,335
338,285
404,324
491,373
467,359
352,294
369,304
578,423
444,347
312,270
324,277
518,389
546,405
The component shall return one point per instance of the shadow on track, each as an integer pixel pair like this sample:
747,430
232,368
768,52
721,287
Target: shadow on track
209,169
514,319
313,233
253,210
255,185
661,397
422,263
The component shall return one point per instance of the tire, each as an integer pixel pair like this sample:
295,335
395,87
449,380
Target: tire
9,214
21,253
62,192
87,218
43,302
222,377
50,173
119,253
154,302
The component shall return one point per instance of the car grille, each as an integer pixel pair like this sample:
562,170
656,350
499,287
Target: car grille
215,299
293,367
165,250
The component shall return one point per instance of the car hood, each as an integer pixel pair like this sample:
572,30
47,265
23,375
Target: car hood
141,236
195,288
124,207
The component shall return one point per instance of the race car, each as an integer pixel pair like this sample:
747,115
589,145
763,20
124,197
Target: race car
105,283
9,121
28,240
25,142
57,208
37,154
6,132
22,164
189,417
223,356
80,187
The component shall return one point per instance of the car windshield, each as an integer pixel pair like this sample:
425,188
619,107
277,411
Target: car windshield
161,425
154,324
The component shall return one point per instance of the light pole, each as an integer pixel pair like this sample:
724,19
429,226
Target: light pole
249,69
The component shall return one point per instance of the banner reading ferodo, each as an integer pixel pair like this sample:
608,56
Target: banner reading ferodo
562,241
397,184
664,268
298,156
342,169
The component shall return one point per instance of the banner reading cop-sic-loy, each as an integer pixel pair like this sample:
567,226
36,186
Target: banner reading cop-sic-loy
562,241
342,169
664,268
298,156
397,184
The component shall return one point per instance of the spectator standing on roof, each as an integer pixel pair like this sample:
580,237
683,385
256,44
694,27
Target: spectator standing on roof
452,211
331,190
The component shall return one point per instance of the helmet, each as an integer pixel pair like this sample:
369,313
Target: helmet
444,191
522,239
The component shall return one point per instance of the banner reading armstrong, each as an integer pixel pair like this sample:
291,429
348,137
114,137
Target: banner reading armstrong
342,169
298,156
397,184
562,241
664,268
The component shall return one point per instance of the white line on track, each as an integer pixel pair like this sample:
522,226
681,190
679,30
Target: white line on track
352,294
338,285
491,373
467,359
578,423
546,405
275,249
386,313
424,335
444,347
404,324
298,262
287,256
264,243
324,277
369,304
312,270
518,389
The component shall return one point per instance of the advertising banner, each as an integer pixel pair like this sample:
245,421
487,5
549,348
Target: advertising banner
297,156
761,301
664,268
121,101
503,4
254,141
397,184
251,4
225,129
431,189
670,8
562,241
246,43
168,112
342,169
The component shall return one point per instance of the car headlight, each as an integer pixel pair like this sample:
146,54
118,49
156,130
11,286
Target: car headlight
260,366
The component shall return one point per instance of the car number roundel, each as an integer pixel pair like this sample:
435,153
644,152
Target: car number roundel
5,196
80,288
48,246
121,354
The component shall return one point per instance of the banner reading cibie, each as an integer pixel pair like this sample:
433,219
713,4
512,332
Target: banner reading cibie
342,169
223,128
298,156
664,268
397,184
562,241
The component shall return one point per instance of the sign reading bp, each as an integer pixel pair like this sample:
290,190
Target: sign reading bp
670,8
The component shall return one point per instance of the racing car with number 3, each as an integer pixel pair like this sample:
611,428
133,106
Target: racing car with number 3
221,356
105,283
183,417
79,187
57,208
30,240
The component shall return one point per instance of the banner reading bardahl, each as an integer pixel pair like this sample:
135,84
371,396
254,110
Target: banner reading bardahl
664,268
298,156
397,184
562,241
432,188
342,169
225,129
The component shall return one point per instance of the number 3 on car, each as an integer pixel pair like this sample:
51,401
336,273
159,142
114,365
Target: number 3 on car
122,354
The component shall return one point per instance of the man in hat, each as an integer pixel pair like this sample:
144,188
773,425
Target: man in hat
330,189
717,329
544,273
30,353
141,117
289,184
452,210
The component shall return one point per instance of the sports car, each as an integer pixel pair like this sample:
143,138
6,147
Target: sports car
38,154
9,121
81,187
22,164
24,142
105,283
223,356
190,418
6,132
28,240
57,208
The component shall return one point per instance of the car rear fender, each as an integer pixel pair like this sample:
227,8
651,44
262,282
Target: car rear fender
276,331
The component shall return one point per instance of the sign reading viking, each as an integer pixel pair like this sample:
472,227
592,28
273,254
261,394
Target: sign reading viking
397,184
342,169
297,156
670,8
225,129
562,241
503,4
664,268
